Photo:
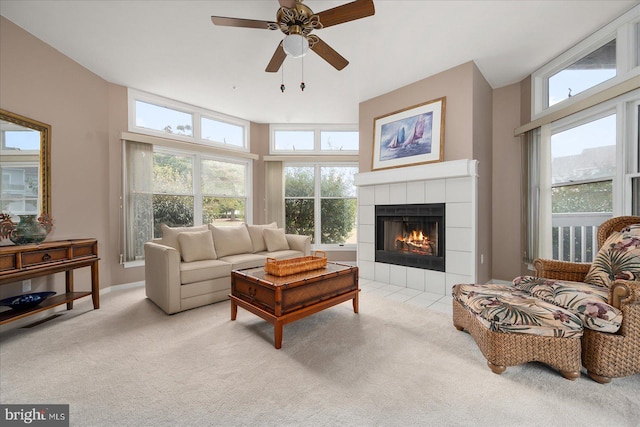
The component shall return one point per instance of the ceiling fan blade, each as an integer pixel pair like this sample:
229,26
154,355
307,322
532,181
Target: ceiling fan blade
276,60
289,4
347,12
327,53
245,23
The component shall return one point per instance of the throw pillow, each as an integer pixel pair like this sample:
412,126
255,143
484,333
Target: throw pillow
618,258
231,240
275,239
196,246
170,234
257,236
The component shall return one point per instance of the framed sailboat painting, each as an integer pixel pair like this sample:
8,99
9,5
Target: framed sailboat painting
411,136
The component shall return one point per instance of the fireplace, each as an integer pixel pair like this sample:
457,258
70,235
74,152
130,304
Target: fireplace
411,235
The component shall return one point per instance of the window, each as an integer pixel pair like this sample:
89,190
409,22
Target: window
634,162
604,59
339,140
180,188
173,196
223,192
583,167
313,139
223,133
583,163
162,119
592,69
156,116
320,201
293,140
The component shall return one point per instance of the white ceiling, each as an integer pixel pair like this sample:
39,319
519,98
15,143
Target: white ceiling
171,48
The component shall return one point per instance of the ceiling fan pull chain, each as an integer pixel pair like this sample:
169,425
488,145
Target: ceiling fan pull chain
302,85
282,88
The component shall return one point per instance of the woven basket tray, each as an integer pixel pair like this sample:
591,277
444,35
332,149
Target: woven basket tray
286,267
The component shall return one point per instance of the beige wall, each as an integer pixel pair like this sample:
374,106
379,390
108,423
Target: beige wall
507,207
36,81
456,84
482,151
468,132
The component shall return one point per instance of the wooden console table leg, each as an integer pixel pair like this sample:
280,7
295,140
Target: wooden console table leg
69,286
277,335
95,286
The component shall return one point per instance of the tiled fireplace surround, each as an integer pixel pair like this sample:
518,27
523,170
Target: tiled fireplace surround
453,183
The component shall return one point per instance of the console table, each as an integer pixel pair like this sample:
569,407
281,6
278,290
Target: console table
29,261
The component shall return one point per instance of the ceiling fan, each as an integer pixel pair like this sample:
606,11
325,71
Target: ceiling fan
296,21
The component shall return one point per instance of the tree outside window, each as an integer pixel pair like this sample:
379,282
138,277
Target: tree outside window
320,201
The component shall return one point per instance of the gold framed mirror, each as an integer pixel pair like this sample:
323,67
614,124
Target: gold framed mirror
25,165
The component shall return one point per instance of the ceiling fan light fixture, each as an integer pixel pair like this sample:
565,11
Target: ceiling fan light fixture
295,45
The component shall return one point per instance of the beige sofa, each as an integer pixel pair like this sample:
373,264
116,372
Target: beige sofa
191,266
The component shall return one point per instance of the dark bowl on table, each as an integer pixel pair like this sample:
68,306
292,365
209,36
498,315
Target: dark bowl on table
20,302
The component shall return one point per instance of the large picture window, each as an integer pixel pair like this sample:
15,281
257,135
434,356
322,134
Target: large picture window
179,188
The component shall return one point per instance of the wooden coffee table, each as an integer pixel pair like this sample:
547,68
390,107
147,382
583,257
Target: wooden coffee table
282,300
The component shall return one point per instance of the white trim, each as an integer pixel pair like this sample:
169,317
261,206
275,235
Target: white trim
449,169
317,130
312,159
186,145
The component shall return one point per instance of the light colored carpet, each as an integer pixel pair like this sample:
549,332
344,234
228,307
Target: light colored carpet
393,364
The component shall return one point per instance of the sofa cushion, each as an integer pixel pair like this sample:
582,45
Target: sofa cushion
248,260
291,253
257,236
231,240
196,245
198,271
587,301
503,308
170,234
275,239
618,258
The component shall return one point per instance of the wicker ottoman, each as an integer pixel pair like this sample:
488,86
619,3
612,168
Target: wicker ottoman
511,327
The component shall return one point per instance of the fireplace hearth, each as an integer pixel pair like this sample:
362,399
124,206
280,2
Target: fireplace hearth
411,235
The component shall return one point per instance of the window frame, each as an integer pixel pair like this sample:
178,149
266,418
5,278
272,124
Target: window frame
197,115
624,29
317,131
197,194
197,157
317,200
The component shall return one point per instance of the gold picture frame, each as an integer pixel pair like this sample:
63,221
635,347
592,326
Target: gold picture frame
414,135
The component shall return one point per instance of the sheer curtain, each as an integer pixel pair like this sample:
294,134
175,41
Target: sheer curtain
531,190
274,192
138,198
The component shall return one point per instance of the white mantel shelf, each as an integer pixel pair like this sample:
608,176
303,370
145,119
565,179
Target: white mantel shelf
441,170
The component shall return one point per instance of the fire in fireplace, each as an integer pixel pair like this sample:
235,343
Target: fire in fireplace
411,235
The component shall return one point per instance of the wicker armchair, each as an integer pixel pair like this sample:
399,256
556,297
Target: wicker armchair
606,355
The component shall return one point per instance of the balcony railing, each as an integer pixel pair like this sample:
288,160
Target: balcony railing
575,235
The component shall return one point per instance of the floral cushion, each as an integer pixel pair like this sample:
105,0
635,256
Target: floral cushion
503,308
618,258
587,301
